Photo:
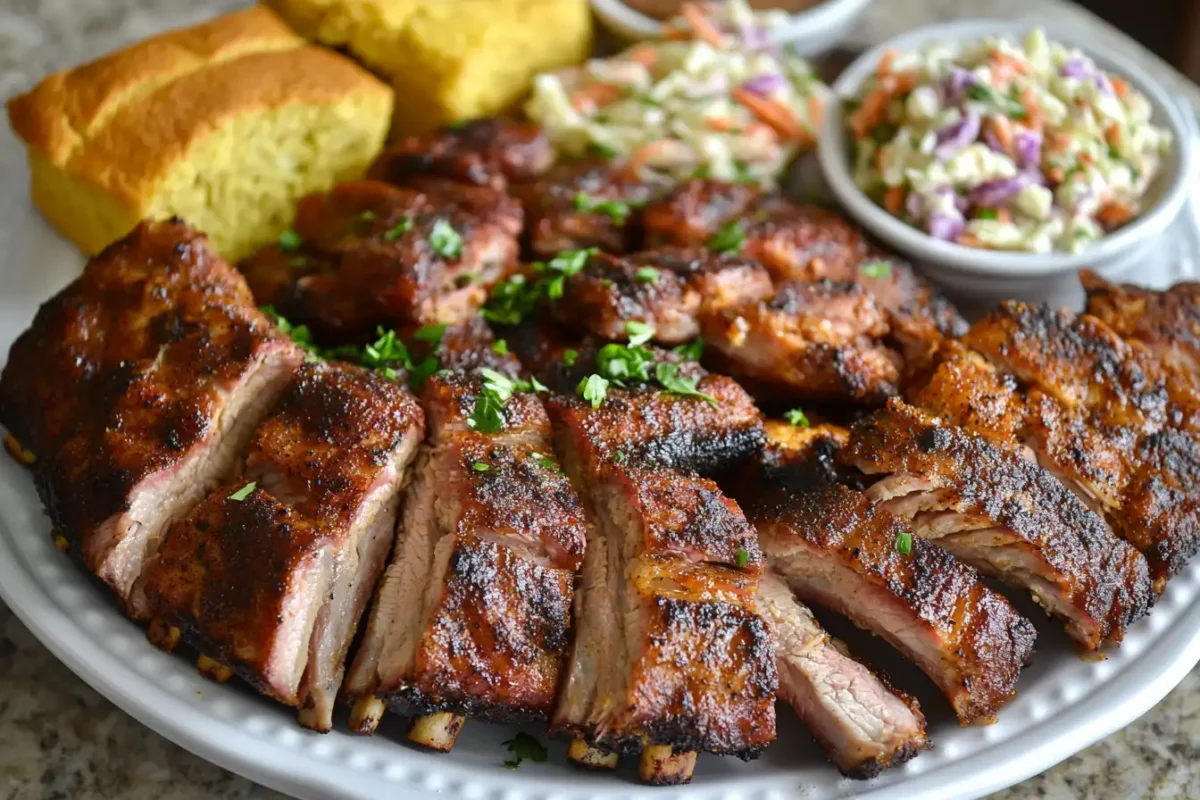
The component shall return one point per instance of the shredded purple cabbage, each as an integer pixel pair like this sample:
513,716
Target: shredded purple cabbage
765,84
997,193
1076,67
959,135
992,142
954,87
913,205
945,226
1028,146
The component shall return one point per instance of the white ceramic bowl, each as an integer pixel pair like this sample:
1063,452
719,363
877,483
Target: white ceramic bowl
810,32
989,273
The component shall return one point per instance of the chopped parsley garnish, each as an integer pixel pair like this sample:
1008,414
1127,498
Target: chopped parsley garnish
511,301
619,457
583,202
488,415
430,333
555,272
536,385
399,229
797,417
987,213
500,347
647,275
729,238
299,262
366,216
300,334
692,351
883,132
385,350
594,389
876,269
904,543
244,492
290,241
615,210
569,357
602,150
544,461
668,375
639,332
444,240
524,747
741,557
1006,105
419,373
479,466
465,279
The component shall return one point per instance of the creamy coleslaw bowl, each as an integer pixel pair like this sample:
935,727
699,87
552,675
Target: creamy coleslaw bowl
984,272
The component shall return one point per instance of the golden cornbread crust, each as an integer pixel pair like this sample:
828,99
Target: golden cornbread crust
226,124
449,60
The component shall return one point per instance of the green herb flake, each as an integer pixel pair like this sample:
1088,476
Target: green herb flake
290,241
741,557
511,301
466,279
500,347
545,462
883,132
244,492
524,747
367,216
386,349
399,229
904,543
668,375
639,332
583,202
602,150
692,351
419,373
987,213
299,262
430,333
487,417
619,457
569,357
536,385
797,417
300,334
479,466
647,275
729,238
876,269
444,240
594,389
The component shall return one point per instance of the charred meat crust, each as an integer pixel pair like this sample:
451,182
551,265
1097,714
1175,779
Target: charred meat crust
373,254
1167,322
482,152
561,208
1104,582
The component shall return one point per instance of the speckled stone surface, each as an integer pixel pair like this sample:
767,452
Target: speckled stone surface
60,739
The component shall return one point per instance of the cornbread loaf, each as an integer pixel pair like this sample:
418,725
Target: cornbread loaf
449,60
226,124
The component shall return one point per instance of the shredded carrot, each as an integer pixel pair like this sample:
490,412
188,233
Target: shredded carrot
1112,135
647,152
870,112
596,95
1003,215
644,55
1033,114
1001,128
901,82
816,110
893,199
1056,174
1085,158
970,240
722,124
1113,215
701,26
774,113
1004,66
1058,142
885,61
1120,86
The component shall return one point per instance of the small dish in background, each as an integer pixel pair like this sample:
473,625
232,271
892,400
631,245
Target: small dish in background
809,32
991,273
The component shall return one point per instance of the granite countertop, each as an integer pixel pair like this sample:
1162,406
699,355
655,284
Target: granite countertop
60,739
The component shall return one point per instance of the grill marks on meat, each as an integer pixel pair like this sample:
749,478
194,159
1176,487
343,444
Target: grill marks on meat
375,254
483,152
833,546
137,386
668,648
564,208
473,613
274,585
667,289
1005,516
1101,414
864,726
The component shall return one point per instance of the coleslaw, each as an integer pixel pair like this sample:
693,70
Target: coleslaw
1007,145
715,98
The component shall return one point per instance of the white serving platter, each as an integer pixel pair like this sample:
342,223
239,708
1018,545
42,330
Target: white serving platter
1064,704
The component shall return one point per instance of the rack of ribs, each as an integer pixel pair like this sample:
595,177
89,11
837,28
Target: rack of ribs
1004,515
270,574
1099,413
669,656
136,388
473,613
367,254
826,539
484,152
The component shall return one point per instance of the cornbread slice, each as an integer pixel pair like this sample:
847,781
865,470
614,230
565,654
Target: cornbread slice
449,60
226,124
